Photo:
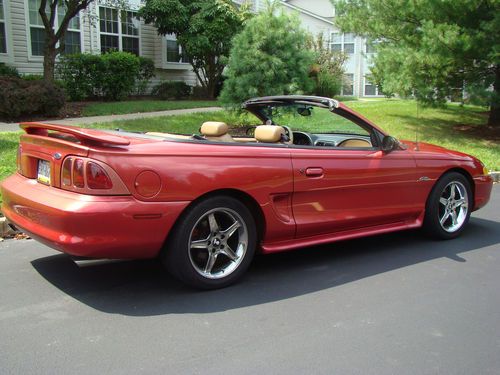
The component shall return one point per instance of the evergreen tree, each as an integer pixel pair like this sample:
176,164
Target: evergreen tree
269,57
430,48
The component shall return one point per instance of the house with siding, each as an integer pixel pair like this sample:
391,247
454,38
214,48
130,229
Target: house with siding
101,28
317,17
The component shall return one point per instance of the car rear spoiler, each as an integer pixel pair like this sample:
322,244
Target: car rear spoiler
85,136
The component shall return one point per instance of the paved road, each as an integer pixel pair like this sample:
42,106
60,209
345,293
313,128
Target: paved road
393,304
12,127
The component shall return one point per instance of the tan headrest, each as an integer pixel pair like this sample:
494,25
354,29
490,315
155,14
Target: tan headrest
269,133
214,128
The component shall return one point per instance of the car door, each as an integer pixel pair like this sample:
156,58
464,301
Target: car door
340,189
345,189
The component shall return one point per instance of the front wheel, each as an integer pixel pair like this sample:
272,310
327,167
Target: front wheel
448,207
213,243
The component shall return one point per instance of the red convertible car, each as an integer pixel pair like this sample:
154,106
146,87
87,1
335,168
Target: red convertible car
314,172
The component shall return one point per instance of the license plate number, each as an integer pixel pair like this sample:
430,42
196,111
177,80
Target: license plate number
43,172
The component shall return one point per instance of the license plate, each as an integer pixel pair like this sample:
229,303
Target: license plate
43,172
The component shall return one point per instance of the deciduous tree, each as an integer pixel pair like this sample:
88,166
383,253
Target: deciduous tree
204,29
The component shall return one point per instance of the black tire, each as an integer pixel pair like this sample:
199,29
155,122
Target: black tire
436,208
187,263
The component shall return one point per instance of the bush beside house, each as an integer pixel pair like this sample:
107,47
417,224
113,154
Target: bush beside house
112,76
20,97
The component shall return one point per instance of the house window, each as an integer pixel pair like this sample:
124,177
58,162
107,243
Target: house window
174,52
348,85
72,39
119,31
72,42
3,37
370,47
371,89
342,42
130,32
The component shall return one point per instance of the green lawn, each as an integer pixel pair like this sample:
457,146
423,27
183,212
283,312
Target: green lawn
442,126
135,106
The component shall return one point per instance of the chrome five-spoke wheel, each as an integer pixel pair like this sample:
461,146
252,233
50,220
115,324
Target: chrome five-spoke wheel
218,243
448,206
453,206
212,244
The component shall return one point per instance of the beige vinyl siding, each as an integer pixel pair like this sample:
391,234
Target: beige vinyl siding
148,35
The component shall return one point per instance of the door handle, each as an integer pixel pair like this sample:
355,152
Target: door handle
314,172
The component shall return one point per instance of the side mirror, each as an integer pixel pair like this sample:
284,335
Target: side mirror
389,144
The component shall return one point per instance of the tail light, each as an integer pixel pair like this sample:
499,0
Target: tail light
78,177
97,178
89,176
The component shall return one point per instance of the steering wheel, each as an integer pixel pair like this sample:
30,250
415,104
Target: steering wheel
288,134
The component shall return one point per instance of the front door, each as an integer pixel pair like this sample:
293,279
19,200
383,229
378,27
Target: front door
342,189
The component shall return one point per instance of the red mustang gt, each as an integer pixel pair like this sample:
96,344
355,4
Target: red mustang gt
314,172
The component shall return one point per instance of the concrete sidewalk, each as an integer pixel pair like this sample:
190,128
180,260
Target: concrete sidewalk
14,126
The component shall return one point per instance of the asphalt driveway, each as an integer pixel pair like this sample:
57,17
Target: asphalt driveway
392,304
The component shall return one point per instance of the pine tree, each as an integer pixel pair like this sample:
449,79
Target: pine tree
269,57
430,48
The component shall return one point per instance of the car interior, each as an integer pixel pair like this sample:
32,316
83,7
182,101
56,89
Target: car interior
306,125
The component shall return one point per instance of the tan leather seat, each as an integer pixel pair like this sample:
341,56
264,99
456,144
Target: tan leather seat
269,133
354,143
216,131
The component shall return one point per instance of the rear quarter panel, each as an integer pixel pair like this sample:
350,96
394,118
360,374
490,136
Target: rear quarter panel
188,171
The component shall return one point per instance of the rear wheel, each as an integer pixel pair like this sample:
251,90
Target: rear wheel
449,207
213,243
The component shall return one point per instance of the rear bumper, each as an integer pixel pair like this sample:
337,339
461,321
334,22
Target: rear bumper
482,191
117,227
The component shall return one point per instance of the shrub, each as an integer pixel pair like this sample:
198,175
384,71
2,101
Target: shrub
199,92
119,73
146,72
32,77
112,75
327,85
328,68
268,58
172,90
19,97
8,71
80,73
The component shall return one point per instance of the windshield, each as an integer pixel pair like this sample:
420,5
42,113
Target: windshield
311,119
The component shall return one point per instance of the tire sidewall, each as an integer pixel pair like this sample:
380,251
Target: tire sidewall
175,255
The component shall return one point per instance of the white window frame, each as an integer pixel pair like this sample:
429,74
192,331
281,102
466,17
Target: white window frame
377,92
120,34
342,42
366,45
32,57
171,64
6,26
352,84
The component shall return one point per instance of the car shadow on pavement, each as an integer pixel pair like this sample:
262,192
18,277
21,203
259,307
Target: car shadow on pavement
143,288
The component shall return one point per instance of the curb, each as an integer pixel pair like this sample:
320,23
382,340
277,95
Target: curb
5,229
495,176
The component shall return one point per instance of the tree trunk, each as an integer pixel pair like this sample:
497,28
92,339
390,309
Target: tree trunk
49,62
494,118
211,88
